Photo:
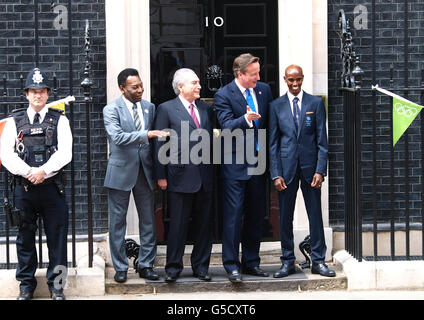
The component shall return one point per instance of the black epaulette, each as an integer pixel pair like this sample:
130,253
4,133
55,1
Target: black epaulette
17,111
53,116
57,110
19,115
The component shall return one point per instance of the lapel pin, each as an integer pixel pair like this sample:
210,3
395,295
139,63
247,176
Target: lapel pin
260,92
146,111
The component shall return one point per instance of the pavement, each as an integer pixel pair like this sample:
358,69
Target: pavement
275,295
257,295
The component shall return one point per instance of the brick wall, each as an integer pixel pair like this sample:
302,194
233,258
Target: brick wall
389,49
17,57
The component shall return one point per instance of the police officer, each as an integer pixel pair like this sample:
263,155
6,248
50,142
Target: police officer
35,146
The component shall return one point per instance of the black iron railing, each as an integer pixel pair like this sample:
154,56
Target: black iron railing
378,176
8,103
399,160
351,90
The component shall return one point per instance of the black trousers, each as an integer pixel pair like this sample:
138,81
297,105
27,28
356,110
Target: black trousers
47,202
312,197
182,206
243,204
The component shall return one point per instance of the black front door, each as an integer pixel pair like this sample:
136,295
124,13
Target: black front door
198,34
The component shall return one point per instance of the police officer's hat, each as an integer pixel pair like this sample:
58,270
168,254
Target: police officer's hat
37,79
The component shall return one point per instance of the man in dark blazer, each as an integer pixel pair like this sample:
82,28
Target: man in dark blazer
243,105
189,183
128,122
298,152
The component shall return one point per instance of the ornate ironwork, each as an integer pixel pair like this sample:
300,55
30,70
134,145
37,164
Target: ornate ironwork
305,249
352,73
132,249
214,76
87,83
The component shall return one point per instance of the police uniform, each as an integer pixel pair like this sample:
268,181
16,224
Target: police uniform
42,140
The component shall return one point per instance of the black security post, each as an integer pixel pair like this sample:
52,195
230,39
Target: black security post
36,34
87,84
422,157
37,61
406,134
71,122
351,79
54,86
6,184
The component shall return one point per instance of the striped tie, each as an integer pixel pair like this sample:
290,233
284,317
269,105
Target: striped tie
193,116
137,121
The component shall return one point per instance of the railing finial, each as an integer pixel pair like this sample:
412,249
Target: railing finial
87,83
352,73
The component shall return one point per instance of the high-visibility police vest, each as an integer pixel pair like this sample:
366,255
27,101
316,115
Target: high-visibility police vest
36,142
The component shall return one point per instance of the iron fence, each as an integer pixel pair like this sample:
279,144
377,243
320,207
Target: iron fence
8,103
378,176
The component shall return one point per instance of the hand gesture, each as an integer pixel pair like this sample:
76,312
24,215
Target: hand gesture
250,115
157,134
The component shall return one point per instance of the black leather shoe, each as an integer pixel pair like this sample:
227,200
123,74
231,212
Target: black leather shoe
235,276
285,271
57,295
148,273
256,271
25,295
120,276
170,278
323,270
202,276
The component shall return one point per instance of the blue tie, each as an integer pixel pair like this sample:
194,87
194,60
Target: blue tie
296,113
251,104
249,100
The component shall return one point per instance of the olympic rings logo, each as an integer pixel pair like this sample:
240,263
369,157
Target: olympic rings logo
405,110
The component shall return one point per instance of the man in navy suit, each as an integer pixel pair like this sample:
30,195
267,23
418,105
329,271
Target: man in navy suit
243,105
189,183
298,152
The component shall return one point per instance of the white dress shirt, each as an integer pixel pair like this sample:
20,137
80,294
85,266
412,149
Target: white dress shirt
57,161
187,104
129,105
255,101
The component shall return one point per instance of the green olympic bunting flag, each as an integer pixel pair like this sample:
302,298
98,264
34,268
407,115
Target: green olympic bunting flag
404,112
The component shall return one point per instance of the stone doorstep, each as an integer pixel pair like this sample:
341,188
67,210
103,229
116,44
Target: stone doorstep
98,281
380,275
301,281
216,259
81,281
270,253
84,281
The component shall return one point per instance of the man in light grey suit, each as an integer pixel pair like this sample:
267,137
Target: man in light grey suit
127,122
